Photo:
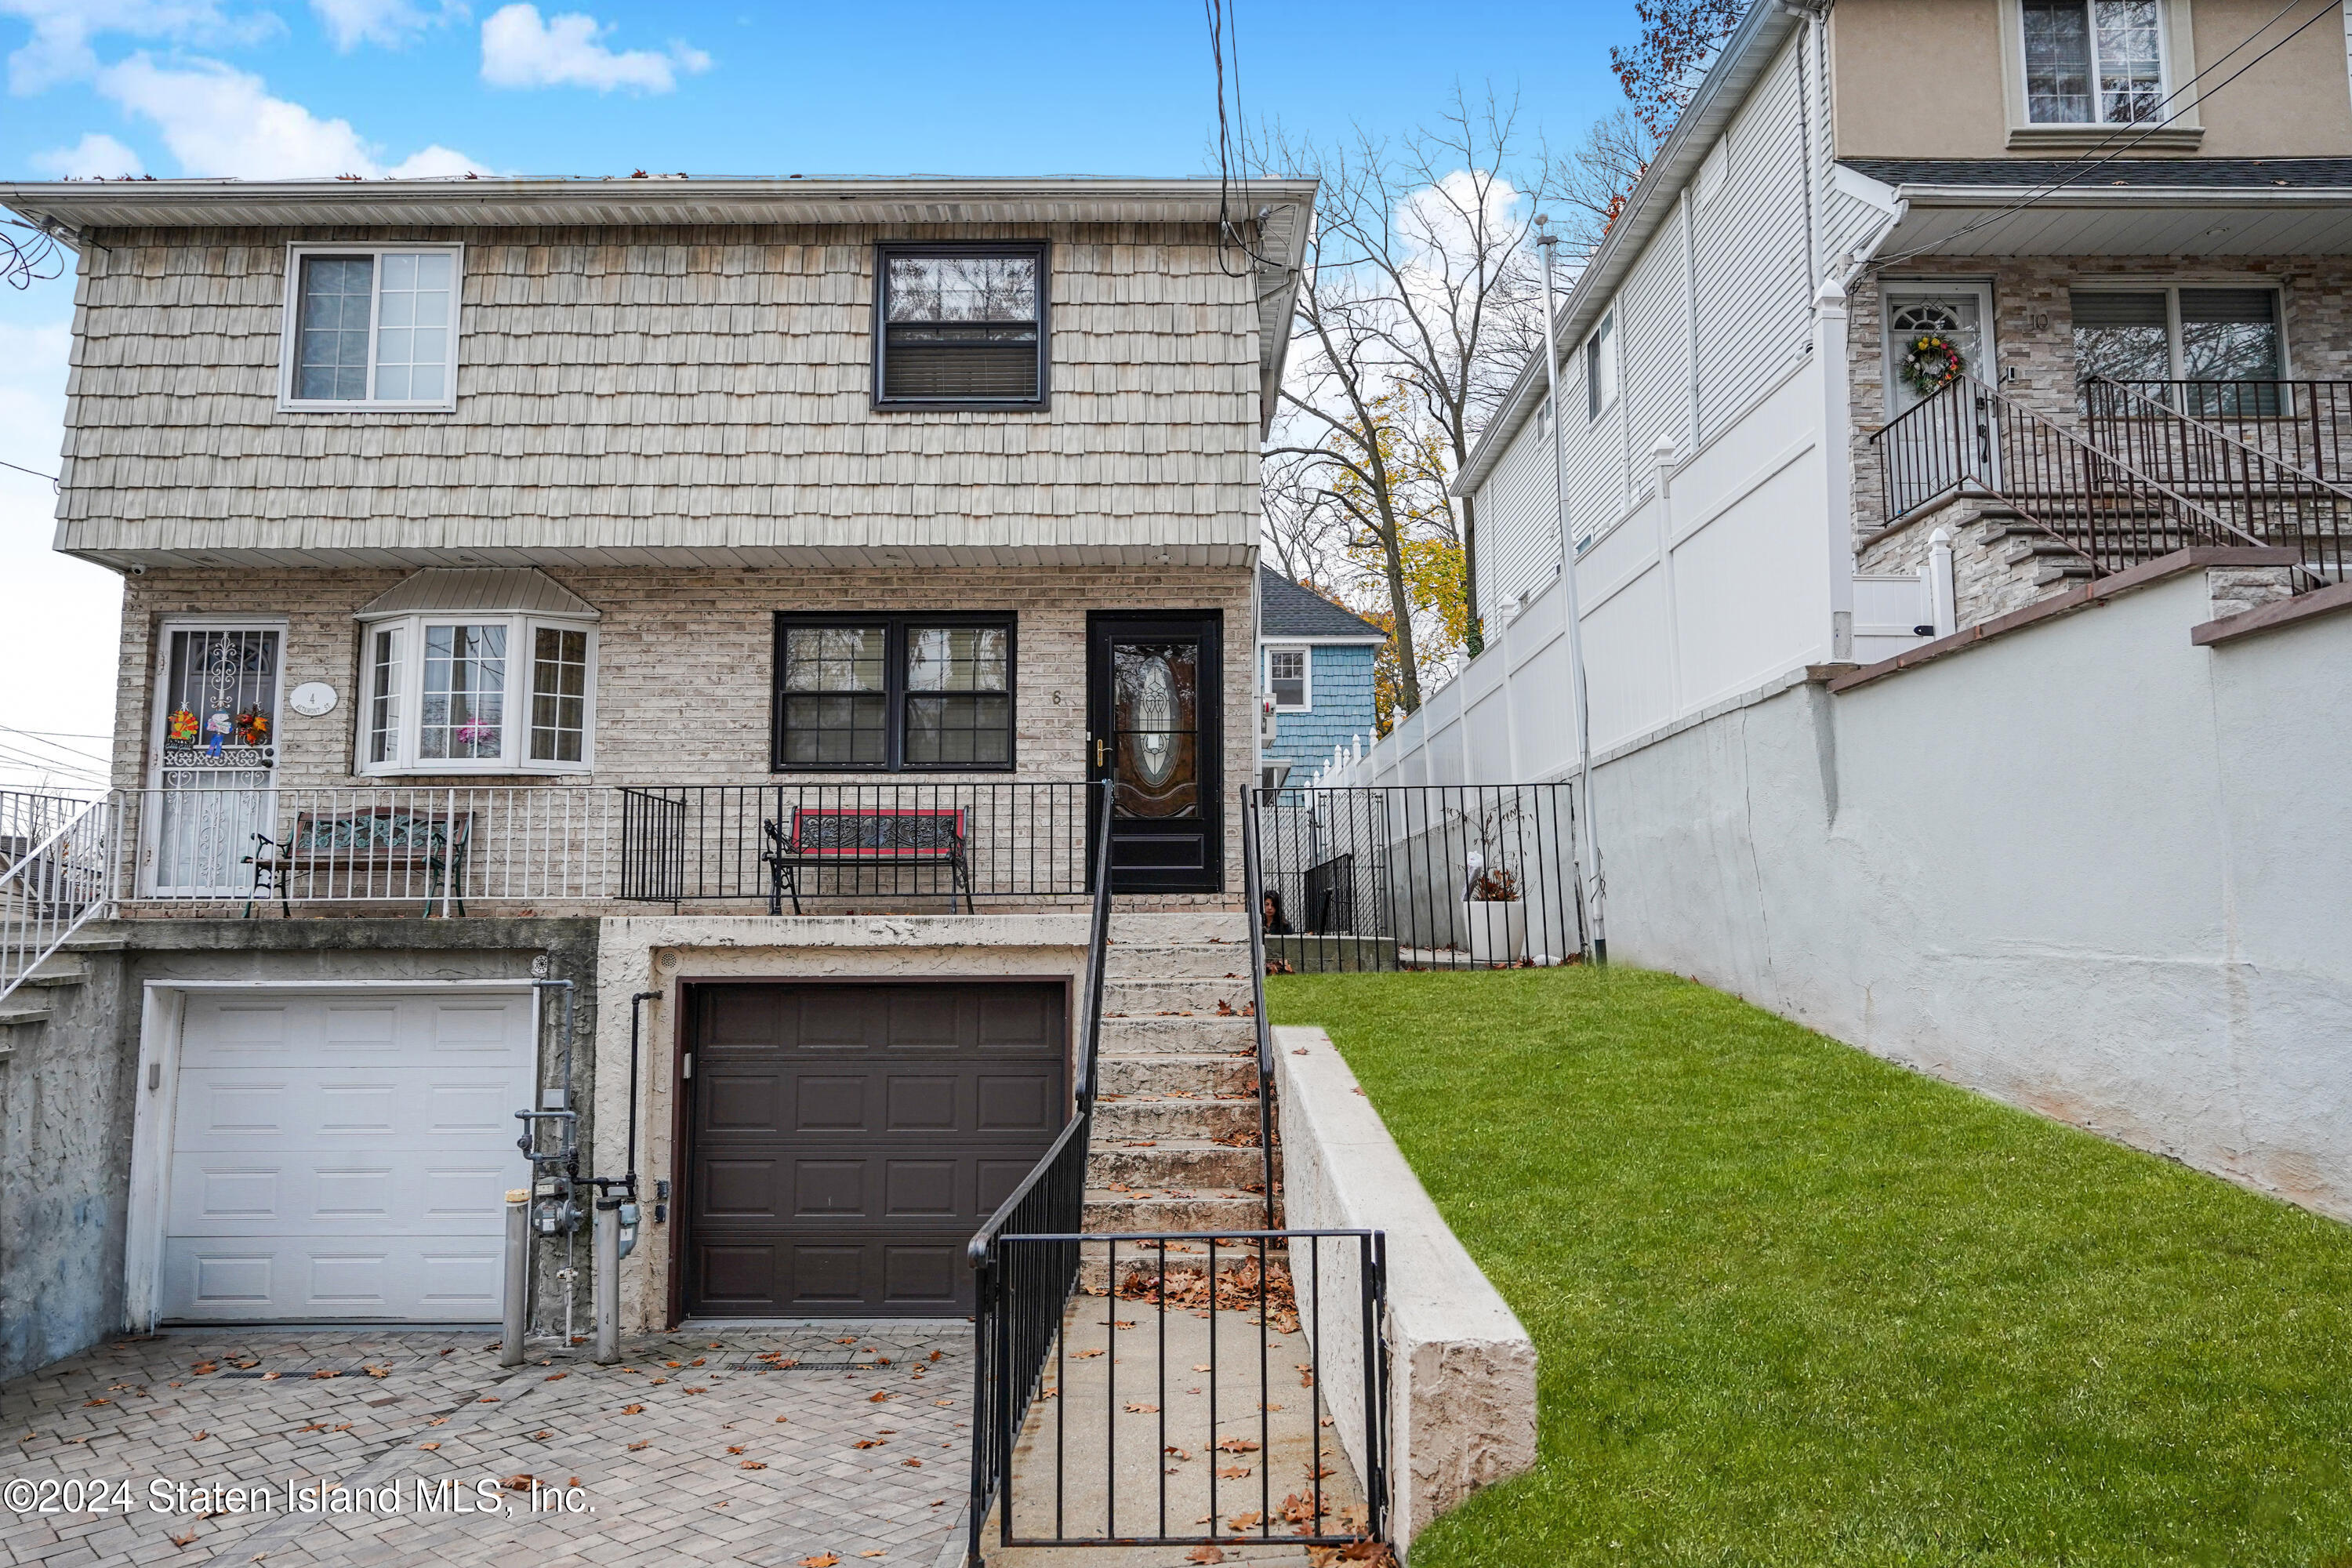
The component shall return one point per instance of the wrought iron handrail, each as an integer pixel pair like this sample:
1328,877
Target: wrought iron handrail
2277,501
2091,501
52,888
1254,882
2304,423
1010,1345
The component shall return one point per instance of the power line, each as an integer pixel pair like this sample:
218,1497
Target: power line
37,739
2090,164
22,470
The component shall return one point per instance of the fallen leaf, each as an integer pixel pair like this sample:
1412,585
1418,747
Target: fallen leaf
938,1402
428,1447
540,1437
86,1403
822,1560
1074,1356
780,1420
573,1481
1239,1444
698,1360
556,1377
750,1465
203,1367
912,1464
517,1483
697,1391
377,1371
488,1399
324,1371
936,1354
1179,1453
1244,1520
1134,1409
877,1398
673,1363
183,1540
1233,1472
643,1443
1201,1366
867,1443
1205,1555
633,1410
735,1448
656,1381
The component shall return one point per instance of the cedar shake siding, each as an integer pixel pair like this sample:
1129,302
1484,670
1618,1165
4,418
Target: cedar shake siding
682,393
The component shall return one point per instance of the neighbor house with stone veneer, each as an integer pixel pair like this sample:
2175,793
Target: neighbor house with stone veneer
708,611
1951,435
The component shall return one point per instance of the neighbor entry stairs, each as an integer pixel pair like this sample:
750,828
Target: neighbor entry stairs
1175,1144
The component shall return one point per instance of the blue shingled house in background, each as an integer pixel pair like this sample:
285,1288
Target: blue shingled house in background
1316,660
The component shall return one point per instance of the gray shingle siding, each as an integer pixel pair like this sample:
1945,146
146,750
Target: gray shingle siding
1340,690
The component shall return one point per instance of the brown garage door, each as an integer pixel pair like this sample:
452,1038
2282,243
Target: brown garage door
848,1139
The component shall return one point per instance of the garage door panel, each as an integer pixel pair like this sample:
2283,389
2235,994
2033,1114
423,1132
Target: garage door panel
236,1195
344,1154
915,1110
321,1107
299,1277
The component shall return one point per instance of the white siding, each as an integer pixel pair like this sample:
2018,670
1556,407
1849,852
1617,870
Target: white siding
1518,524
1657,338
1754,299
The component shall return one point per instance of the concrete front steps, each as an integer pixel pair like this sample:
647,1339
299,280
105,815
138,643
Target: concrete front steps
1179,1086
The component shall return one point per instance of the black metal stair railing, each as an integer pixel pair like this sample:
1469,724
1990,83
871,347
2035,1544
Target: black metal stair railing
2173,441
1021,1291
1253,880
2306,424
1968,436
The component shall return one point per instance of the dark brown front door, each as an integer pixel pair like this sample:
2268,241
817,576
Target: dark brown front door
1155,727
848,1139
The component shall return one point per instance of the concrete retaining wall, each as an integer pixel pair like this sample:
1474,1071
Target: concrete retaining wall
1462,1391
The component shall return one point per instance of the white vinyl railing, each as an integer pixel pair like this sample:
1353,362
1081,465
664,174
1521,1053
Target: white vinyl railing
55,856
437,849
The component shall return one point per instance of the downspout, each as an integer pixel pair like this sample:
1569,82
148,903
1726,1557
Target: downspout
1586,865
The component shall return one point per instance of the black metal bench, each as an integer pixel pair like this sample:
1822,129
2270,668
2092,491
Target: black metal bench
390,842
860,836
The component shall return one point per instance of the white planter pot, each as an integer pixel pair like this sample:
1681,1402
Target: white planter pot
1495,931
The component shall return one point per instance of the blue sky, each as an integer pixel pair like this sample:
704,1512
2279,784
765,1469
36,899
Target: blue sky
322,86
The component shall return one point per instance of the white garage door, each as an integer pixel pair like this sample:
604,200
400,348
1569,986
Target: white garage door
344,1154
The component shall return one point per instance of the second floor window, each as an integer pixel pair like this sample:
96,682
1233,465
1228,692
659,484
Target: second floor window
883,693
1600,367
961,327
1286,679
2094,61
370,328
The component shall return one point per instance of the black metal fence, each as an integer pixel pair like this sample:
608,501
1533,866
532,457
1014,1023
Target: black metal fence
789,844
2306,424
1183,1396
1417,877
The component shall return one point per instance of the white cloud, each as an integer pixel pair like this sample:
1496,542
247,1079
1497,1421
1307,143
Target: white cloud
59,49
219,120
95,156
518,49
391,23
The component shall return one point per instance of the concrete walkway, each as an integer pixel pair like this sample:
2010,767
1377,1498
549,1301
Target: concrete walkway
712,1448
1126,1426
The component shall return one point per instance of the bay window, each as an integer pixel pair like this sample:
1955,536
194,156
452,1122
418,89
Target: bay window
892,693
473,693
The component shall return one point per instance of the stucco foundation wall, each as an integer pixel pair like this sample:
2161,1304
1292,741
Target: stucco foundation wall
68,1095
2086,867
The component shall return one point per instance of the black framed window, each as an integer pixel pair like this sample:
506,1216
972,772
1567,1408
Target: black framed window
960,326
886,693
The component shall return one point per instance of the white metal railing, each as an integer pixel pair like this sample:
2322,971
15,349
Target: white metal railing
423,849
54,863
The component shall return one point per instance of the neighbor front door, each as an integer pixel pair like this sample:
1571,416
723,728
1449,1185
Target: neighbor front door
1154,728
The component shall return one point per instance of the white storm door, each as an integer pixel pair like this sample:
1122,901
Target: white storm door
1931,453
344,1154
215,751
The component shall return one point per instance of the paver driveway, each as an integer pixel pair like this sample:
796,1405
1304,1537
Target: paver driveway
691,1455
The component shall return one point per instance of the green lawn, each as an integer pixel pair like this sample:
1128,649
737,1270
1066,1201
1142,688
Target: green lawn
1794,1305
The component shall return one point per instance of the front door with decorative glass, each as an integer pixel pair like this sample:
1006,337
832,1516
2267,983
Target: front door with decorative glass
216,756
1154,726
1935,452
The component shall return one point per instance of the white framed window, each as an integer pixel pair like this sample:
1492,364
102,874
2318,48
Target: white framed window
2093,62
1289,679
370,327
1601,368
455,692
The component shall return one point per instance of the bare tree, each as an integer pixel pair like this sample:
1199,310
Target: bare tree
1592,183
1420,302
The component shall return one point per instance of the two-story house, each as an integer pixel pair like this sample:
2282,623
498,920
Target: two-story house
1315,662
735,599
1948,438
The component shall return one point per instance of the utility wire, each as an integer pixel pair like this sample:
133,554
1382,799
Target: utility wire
35,472
37,739
2091,164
